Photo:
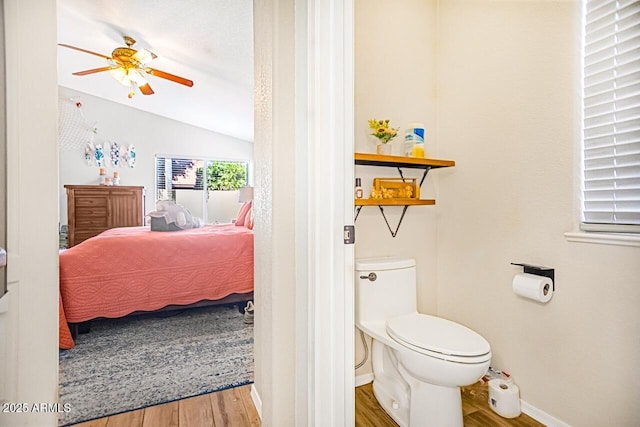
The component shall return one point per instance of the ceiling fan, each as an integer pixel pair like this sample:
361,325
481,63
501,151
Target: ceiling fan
128,66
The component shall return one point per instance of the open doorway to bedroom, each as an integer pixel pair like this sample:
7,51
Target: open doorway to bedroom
108,137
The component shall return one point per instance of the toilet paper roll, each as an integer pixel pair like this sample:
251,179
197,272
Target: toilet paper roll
538,288
504,398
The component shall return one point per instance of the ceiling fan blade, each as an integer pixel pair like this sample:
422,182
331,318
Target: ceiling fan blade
146,89
84,50
92,71
168,76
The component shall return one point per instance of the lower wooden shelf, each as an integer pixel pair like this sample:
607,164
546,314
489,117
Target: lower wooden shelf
405,203
394,202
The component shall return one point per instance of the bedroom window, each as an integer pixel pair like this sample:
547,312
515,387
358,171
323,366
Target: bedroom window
611,116
209,188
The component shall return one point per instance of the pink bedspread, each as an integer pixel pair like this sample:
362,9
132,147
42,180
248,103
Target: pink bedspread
123,270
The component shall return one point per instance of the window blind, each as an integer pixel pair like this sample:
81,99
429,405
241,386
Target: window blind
175,173
611,126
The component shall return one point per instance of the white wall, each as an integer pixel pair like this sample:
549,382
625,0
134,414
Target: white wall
150,134
509,72
395,79
503,102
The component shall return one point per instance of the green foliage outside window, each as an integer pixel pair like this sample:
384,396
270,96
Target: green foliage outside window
226,175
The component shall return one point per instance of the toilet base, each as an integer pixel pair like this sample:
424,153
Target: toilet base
438,406
389,388
410,402
433,405
388,401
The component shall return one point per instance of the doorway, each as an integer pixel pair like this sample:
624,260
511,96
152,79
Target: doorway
151,134
317,340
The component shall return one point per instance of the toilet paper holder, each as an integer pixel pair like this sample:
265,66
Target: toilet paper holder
539,271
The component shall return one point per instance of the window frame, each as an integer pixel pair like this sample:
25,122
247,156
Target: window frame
206,162
612,231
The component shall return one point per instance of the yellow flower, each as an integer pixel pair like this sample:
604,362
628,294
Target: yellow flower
382,130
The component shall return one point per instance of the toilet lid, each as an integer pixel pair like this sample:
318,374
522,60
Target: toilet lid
437,335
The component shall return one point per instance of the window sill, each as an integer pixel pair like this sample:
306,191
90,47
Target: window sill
604,238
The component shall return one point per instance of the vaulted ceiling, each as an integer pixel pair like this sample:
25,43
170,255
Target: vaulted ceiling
207,41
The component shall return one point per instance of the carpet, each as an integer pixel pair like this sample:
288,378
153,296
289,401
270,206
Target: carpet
139,361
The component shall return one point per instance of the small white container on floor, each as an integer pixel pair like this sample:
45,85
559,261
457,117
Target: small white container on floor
504,398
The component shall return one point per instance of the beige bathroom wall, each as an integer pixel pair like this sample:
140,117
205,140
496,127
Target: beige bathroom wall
497,84
508,107
395,79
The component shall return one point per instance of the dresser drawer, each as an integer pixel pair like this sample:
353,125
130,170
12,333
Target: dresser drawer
91,201
91,217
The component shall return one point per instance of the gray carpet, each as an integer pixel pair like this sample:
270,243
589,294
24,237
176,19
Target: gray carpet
130,363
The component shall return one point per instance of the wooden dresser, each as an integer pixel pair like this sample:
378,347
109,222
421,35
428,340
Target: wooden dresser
91,209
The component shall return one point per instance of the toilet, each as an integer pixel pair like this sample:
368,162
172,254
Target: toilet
419,361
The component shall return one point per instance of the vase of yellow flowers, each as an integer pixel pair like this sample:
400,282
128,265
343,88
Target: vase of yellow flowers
384,133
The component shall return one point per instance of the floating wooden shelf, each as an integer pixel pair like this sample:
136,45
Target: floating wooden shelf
369,159
399,162
394,202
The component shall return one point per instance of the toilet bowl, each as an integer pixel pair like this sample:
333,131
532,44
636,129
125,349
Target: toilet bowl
419,361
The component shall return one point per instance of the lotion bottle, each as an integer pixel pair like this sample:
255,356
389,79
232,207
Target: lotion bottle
358,189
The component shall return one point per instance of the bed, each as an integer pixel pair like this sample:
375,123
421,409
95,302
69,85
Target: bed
133,269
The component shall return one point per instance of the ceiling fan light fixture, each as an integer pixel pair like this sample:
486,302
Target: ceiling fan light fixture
120,74
128,76
143,56
137,78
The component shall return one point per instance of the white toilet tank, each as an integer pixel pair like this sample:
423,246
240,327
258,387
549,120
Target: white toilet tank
385,287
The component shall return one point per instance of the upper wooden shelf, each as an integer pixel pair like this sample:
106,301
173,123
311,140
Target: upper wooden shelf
371,159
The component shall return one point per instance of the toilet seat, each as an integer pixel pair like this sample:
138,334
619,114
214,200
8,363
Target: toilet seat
439,338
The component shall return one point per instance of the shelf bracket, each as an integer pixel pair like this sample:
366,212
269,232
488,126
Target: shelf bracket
424,175
358,209
394,233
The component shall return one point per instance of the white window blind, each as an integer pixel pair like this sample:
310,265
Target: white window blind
175,173
611,127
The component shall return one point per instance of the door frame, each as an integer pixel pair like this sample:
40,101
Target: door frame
30,364
304,100
330,129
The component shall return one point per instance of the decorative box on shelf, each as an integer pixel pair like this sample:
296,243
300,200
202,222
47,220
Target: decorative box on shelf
395,188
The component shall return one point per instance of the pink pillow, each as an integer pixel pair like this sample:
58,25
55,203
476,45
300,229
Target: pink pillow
243,213
248,221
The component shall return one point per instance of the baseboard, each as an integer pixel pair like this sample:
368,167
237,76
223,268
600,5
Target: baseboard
257,402
363,379
541,416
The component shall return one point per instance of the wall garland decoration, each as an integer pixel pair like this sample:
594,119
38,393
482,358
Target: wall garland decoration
110,154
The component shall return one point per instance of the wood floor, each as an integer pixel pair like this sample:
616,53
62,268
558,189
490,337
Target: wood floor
475,409
231,407
234,407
